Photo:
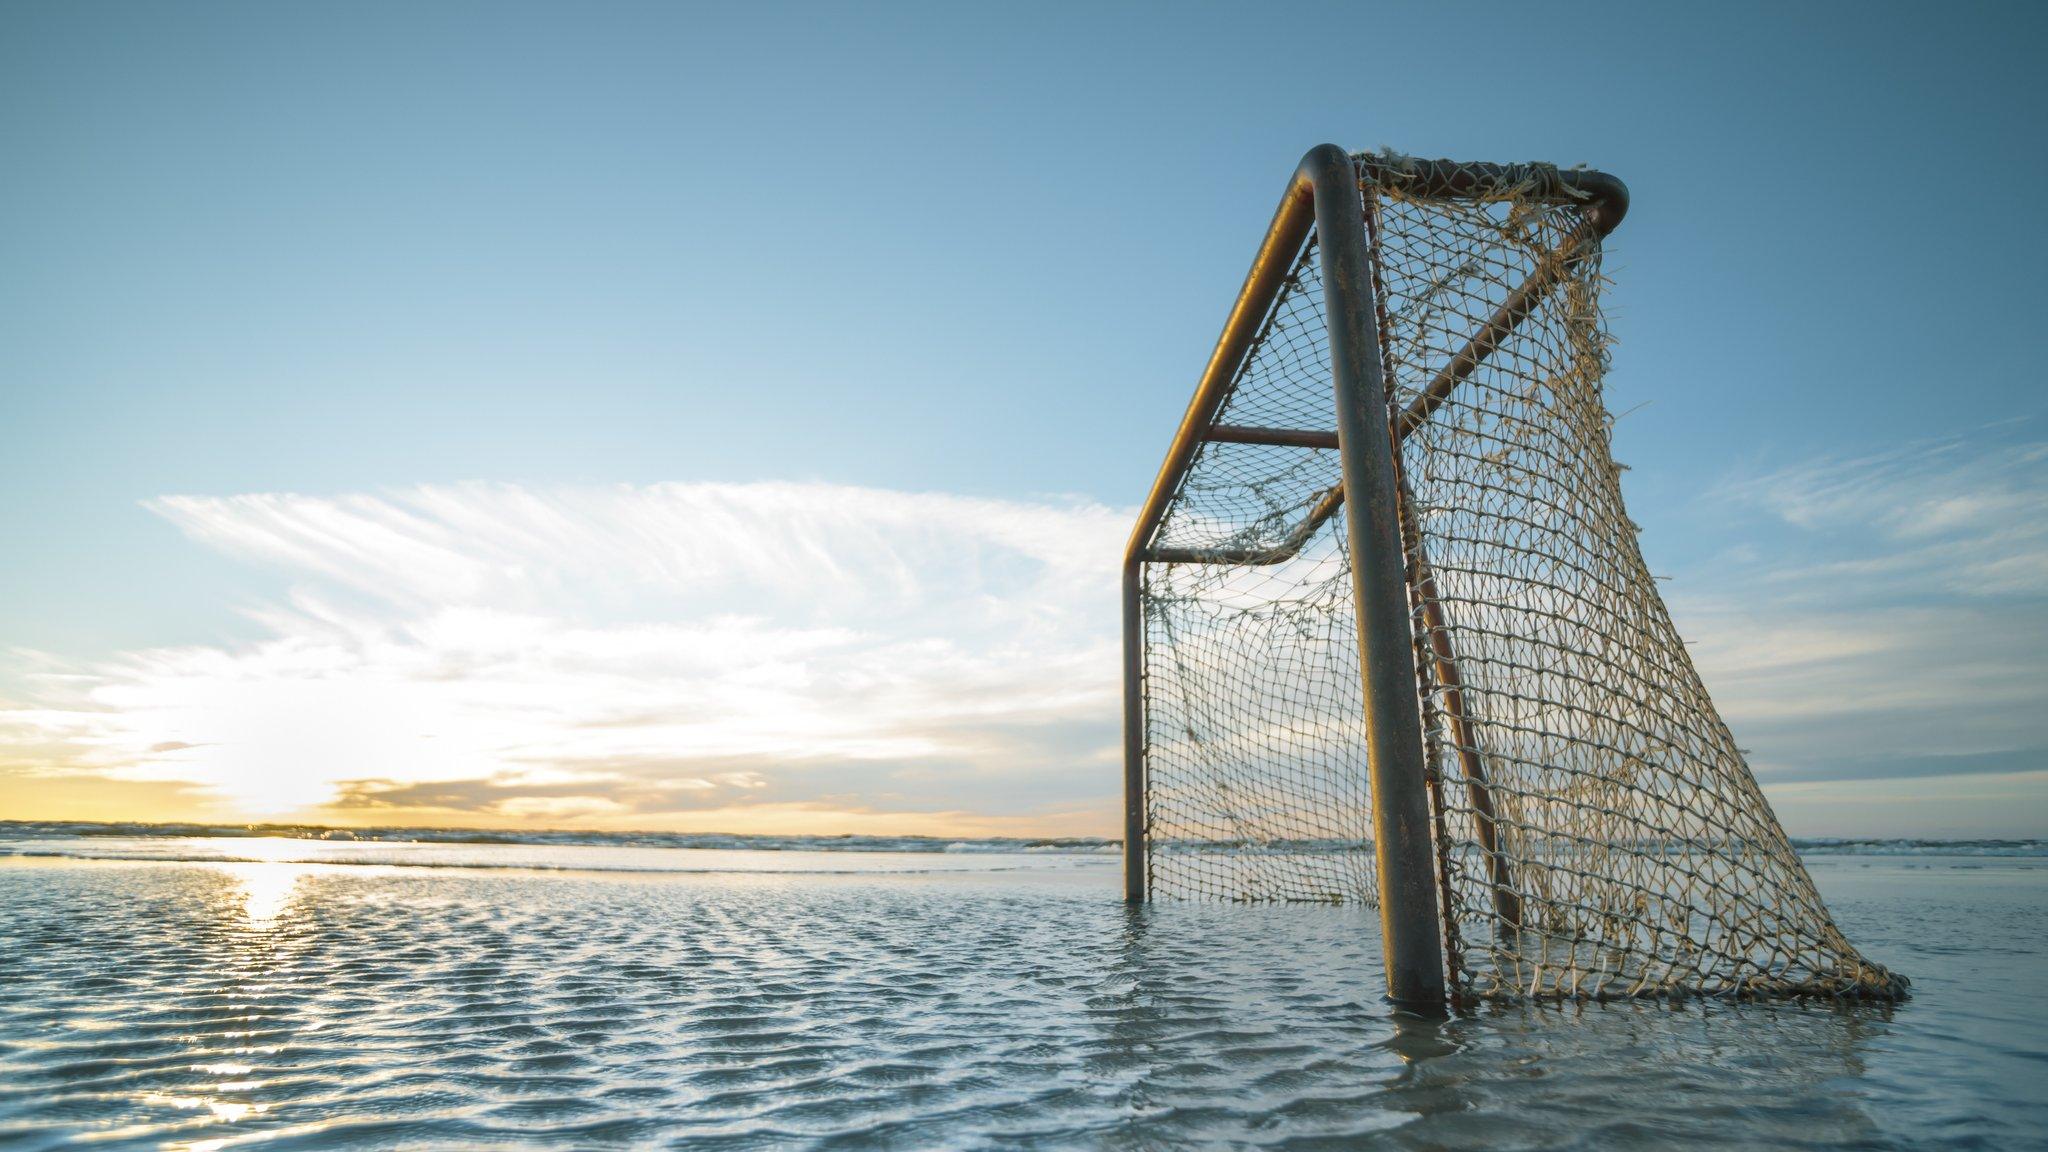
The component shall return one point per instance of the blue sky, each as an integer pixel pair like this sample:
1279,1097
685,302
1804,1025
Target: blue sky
309,315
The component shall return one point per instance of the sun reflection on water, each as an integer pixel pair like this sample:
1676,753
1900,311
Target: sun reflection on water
266,889
258,908
266,884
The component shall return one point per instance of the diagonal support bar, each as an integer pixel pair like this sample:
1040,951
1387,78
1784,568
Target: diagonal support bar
1512,311
1507,903
1282,437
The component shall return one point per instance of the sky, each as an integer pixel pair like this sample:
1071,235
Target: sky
728,417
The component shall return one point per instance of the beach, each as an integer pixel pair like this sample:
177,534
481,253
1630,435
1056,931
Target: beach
285,992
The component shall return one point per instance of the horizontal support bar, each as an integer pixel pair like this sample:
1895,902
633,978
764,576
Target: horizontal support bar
1283,437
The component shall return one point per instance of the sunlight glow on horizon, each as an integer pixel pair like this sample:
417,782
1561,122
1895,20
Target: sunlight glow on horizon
825,658
819,659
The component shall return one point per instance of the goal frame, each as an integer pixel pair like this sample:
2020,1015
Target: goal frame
1325,194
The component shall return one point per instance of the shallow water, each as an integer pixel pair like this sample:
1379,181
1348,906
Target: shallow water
1005,1001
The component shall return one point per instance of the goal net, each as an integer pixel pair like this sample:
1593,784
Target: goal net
1596,831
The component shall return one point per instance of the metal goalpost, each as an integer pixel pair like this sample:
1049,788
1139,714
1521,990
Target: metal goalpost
1417,349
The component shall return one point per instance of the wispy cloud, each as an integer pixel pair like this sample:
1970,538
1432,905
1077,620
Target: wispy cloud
810,657
633,655
1965,514
1893,624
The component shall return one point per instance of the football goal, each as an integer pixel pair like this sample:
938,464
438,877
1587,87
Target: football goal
1389,638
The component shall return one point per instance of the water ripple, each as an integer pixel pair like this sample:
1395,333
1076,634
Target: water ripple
305,1006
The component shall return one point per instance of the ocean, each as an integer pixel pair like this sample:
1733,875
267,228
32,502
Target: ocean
206,988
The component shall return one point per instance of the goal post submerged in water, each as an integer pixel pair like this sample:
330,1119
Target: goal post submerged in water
1388,636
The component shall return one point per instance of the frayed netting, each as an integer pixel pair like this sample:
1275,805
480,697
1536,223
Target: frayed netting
1599,834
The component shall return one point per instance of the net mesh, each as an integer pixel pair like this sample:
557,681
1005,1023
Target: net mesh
1598,832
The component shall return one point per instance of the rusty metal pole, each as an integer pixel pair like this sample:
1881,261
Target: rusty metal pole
1410,927
1507,904
1135,873
1269,270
